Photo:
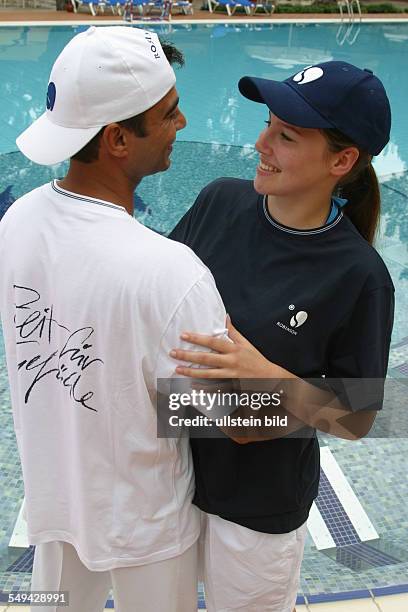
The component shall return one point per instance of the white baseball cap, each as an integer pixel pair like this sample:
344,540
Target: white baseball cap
103,75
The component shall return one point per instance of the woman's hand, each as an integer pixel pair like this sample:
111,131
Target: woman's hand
236,359
308,404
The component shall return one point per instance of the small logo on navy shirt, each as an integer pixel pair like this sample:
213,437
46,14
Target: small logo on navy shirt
298,319
51,95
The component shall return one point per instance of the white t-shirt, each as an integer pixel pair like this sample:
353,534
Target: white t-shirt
91,304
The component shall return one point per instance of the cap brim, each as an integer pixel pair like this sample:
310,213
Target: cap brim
283,101
46,143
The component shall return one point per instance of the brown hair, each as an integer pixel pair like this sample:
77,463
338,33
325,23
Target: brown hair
89,153
360,187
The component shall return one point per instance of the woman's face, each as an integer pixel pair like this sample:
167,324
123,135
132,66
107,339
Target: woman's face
293,160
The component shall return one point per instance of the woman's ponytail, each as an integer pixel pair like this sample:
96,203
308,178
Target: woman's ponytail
364,201
360,187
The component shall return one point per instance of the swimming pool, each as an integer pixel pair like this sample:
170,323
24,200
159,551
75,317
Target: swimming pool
222,128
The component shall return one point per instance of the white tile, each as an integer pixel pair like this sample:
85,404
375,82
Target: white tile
318,529
19,537
393,603
354,605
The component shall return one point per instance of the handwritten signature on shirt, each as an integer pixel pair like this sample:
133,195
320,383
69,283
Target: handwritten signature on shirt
36,325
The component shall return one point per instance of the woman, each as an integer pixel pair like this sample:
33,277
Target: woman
302,282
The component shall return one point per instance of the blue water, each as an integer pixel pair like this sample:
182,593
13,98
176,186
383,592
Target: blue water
216,57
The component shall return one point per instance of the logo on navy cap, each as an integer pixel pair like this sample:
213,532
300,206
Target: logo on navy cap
309,74
51,95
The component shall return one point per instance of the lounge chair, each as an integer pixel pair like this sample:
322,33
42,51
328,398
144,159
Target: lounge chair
166,8
93,5
265,5
145,7
231,6
131,7
115,5
185,6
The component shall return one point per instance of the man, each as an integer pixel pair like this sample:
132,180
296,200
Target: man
91,303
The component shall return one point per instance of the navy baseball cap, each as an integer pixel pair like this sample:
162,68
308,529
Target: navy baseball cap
329,95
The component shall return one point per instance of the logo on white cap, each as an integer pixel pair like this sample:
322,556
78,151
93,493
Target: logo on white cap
153,47
51,95
307,75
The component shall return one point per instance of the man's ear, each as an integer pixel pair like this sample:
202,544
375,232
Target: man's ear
115,140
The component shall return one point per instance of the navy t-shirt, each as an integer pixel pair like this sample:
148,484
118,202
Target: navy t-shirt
342,297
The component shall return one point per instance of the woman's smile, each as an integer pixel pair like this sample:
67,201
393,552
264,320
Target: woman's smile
267,169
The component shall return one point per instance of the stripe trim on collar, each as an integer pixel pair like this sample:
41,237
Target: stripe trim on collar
74,196
299,232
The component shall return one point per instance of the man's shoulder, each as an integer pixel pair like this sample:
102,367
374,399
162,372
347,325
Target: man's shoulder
167,270
172,252
18,206
172,261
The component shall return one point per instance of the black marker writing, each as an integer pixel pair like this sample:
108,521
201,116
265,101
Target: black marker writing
65,365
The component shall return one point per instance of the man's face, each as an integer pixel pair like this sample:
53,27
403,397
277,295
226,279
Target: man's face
151,153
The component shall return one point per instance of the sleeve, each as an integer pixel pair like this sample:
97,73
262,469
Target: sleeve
358,356
201,310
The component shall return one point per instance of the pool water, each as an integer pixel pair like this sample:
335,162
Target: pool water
218,141
216,57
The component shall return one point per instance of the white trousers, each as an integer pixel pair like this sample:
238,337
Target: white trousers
249,571
165,586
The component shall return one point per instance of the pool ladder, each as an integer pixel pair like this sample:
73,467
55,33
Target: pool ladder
350,12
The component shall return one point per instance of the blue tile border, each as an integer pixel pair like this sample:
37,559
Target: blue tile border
357,594
390,590
345,596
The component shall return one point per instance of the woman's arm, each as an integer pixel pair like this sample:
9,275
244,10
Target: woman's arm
308,404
